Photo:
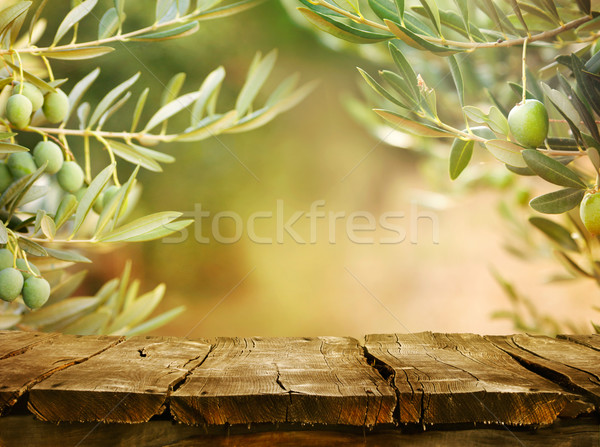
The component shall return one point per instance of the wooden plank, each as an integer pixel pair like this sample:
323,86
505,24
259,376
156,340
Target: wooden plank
21,372
17,342
461,378
322,380
589,340
573,365
128,383
24,431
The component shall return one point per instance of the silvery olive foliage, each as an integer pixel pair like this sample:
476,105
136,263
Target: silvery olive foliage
467,43
52,204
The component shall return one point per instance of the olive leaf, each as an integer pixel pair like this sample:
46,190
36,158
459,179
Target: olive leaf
74,16
460,155
558,202
551,170
403,124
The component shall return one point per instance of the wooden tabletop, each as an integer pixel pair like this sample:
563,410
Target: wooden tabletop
384,381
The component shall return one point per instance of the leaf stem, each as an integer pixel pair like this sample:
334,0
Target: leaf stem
103,134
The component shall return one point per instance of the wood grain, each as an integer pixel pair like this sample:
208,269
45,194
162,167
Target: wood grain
458,378
573,365
127,383
324,380
20,372
24,431
589,340
15,343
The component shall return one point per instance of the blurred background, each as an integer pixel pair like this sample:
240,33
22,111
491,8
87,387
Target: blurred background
438,279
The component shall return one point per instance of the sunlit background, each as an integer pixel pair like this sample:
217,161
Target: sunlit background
439,278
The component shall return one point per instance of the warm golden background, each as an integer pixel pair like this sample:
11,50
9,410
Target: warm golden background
316,151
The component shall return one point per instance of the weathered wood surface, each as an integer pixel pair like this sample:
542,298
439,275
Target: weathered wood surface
323,380
390,381
24,431
128,383
573,365
19,372
460,378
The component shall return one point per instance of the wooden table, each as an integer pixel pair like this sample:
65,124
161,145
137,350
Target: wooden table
424,389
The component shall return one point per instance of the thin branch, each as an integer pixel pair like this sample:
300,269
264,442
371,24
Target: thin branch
103,134
546,35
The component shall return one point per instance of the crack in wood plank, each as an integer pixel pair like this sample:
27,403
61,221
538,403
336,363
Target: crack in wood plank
42,360
119,385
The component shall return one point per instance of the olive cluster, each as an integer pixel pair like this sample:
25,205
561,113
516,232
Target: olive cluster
22,278
18,164
28,99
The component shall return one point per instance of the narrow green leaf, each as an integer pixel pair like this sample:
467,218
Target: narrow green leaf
3,233
458,79
10,14
155,322
405,68
39,83
342,30
139,107
403,124
31,247
228,10
433,13
65,288
140,227
267,113
48,227
79,90
111,97
209,91
66,209
562,103
558,202
551,170
170,109
256,78
54,313
90,324
382,91
116,206
91,195
73,17
138,310
109,23
130,153
506,152
172,88
401,87
162,231
173,33
414,40
460,155
64,255
7,148
208,127
112,109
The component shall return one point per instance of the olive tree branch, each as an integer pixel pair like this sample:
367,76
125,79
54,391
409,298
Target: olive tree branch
543,36
104,134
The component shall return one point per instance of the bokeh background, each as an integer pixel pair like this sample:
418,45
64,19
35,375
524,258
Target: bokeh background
316,151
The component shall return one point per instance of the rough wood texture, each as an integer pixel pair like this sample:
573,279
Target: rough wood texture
324,380
24,431
591,340
459,378
40,360
573,365
282,385
128,383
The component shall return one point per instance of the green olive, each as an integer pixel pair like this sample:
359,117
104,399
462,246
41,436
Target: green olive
18,110
20,164
589,212
36,292
56,106
48,151
70,176
11,283
6,258
5,177
32,93
21,265
528,122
